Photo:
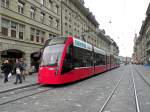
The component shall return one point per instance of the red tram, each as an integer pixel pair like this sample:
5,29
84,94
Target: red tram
68,59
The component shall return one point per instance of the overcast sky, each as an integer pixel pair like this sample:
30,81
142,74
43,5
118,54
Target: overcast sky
126,18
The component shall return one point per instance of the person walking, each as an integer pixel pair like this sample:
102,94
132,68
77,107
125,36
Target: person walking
17,70
23,68
6,68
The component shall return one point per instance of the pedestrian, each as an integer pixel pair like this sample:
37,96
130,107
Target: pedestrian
17,71
23,69
6,68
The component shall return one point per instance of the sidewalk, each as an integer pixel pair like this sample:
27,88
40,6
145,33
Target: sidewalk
145,70
31,79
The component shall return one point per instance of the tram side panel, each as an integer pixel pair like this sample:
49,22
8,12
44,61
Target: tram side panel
108,62
99,62
75,62
81,63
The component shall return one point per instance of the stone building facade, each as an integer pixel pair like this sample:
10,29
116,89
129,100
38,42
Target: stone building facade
79,21
138,50
142,42
26,24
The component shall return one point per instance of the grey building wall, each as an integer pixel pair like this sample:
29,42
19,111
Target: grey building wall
142,43
48,19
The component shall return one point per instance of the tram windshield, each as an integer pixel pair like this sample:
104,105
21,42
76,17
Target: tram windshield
52,54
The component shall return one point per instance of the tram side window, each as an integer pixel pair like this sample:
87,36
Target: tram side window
68,64
103,61
99,59
82,57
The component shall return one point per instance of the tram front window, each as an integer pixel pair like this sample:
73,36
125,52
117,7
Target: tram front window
52,54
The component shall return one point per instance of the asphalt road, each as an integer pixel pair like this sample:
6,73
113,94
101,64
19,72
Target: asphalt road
88,95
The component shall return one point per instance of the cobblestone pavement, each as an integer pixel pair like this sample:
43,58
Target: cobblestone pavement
145,70
89,95
30,79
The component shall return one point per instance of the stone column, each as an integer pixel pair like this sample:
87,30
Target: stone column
27,33
28,60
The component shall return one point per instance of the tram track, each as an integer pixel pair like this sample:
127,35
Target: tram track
138,108
15,95
21,87
18,90
111,94
143,77
135,92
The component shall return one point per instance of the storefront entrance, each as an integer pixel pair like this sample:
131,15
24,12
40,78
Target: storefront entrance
11,55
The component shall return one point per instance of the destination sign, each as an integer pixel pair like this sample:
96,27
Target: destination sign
81,44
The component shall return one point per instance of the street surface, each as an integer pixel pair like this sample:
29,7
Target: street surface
89,95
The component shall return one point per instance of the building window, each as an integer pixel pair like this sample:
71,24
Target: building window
42,2
75,29
57,24
37,35
69,26
13,29
66,18
5,3
20,7
50,21
66,24
42,16
57,9
50,4
69,16
32,34
32,12
21,31
42,37
5,26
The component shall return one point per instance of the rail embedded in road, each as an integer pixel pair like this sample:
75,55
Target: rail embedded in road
9,98
111,94
135,92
